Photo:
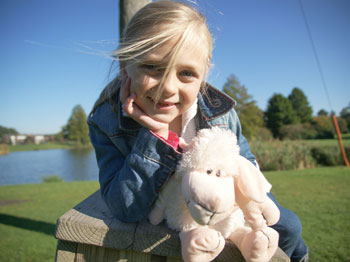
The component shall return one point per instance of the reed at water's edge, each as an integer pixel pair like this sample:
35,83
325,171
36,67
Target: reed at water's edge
4,150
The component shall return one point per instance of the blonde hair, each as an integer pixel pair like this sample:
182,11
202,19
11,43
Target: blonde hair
151,27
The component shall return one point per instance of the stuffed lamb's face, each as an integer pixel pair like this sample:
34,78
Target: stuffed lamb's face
208,169
209,198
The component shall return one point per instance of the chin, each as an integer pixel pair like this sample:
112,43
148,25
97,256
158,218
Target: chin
163,119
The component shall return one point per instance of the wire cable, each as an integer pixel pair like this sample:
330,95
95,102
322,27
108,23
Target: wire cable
315,54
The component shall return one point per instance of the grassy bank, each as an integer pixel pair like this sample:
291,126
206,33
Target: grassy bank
31,147
320,197
46,146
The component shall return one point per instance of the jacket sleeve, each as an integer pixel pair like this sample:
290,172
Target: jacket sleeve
245,148
242,141
130,183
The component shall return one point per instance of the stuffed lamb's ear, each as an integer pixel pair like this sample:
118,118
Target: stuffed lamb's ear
184,145
250,181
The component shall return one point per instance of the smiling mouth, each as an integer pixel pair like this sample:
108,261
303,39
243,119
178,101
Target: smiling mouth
163,105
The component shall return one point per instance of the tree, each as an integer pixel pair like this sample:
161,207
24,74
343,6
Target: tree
300,105
77,128
343,125
5,131
63,134
279,113
322,112
250,115
323,126
345,114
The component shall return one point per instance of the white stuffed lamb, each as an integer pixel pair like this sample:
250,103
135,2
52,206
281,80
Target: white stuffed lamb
213,196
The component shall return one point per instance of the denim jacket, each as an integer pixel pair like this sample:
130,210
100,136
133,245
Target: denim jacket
134,164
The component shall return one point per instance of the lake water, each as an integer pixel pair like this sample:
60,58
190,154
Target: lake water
30,166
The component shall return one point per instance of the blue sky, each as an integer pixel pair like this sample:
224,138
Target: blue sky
54,54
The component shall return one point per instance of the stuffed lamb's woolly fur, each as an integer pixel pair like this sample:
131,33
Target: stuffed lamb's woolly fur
211,149
214,149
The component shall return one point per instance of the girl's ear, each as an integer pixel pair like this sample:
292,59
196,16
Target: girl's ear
250,181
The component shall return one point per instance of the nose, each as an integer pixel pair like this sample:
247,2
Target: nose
170,84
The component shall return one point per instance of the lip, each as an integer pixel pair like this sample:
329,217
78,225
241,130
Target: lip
163,105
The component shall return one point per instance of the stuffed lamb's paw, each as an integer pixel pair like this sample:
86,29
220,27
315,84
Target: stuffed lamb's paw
201,244
259,246
260,215
156,215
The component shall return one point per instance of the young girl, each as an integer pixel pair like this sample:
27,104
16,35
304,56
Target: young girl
161,95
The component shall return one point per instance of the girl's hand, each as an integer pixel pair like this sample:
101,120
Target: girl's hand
136,113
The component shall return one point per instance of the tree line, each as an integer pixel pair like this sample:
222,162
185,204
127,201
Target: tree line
285,118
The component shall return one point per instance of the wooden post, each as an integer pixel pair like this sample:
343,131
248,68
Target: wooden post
89,233
127,8
337,130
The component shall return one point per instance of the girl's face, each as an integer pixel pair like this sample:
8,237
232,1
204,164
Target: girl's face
180,86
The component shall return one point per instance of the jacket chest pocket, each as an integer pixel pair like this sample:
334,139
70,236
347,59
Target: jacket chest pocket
221,122
124,143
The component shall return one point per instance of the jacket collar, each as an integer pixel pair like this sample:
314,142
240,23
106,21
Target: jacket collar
214,103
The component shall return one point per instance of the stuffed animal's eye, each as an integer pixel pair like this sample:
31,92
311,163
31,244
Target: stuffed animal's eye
209,171
218,173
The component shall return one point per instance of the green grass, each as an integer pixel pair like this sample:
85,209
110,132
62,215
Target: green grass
320,197
30,147
28,215
329,142
46,146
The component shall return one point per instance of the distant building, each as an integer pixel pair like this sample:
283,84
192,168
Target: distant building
24,139
19,139
39,139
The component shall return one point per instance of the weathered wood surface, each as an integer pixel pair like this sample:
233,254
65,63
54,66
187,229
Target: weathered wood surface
89,232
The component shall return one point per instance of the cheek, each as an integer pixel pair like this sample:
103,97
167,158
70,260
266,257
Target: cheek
137,82
190,93
142,83
134,87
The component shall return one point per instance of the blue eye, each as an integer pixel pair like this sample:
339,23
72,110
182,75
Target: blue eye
187,73
151,67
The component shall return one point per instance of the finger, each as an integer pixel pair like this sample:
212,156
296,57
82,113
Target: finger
128,104
150,123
